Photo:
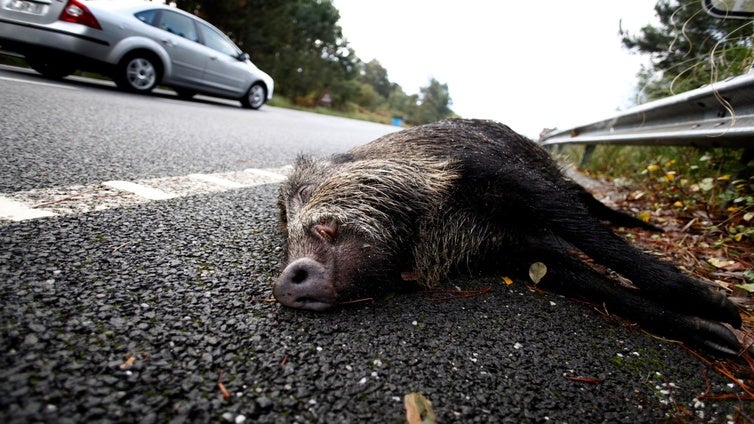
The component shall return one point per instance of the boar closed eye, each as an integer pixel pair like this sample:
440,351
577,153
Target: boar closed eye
328,230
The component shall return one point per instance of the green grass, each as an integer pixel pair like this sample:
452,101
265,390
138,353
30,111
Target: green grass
356,113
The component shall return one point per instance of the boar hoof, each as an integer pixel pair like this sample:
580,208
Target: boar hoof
304,285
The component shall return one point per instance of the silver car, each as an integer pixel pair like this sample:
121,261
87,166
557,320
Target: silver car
139,44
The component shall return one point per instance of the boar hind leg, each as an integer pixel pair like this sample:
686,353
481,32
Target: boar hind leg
564,212
569,276
657,280
604,213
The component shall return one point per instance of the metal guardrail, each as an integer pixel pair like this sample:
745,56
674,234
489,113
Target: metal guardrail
716,115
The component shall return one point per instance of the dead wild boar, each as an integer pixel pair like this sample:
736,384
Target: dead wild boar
470,196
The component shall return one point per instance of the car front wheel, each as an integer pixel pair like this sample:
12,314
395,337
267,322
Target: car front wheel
138,73
255,97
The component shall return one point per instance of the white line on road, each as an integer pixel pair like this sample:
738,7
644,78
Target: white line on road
46,84
212,179
16,211
275,175
48,202
139,190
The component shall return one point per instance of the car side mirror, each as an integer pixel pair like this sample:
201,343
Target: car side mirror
243,57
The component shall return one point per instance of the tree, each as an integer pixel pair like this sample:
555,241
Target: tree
375,75
689,48
402,105
434,103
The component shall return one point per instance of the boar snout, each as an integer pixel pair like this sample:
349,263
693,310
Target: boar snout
304,285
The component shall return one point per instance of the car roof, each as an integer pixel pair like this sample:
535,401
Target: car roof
132,5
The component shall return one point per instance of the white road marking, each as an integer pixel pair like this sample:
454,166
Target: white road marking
275,174
46,84
222,182
139,190
58,201
16,211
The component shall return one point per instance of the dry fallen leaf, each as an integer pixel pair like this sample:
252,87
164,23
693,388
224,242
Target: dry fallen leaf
129,362
537,271
721,263
637,195
418,409
507,281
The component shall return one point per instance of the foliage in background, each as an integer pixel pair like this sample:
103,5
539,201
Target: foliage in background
689,48
300,43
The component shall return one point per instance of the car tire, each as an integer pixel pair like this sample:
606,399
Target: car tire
52,67
138,72
255,97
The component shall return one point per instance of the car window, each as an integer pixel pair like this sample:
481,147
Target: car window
178,24
148,16
215,40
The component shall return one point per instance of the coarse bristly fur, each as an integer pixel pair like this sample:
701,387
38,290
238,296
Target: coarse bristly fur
379,201
472,196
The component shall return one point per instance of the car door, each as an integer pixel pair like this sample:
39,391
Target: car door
226,72
180,38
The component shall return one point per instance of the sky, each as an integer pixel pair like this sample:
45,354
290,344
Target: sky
528,64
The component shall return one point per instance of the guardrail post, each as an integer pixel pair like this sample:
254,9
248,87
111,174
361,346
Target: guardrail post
588,152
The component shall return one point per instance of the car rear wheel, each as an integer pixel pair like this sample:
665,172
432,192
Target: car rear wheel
139,73
52,67
255,97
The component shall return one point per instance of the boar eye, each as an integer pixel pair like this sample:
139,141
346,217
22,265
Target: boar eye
327,230
305,193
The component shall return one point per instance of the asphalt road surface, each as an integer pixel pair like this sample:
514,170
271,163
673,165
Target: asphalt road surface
117,305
